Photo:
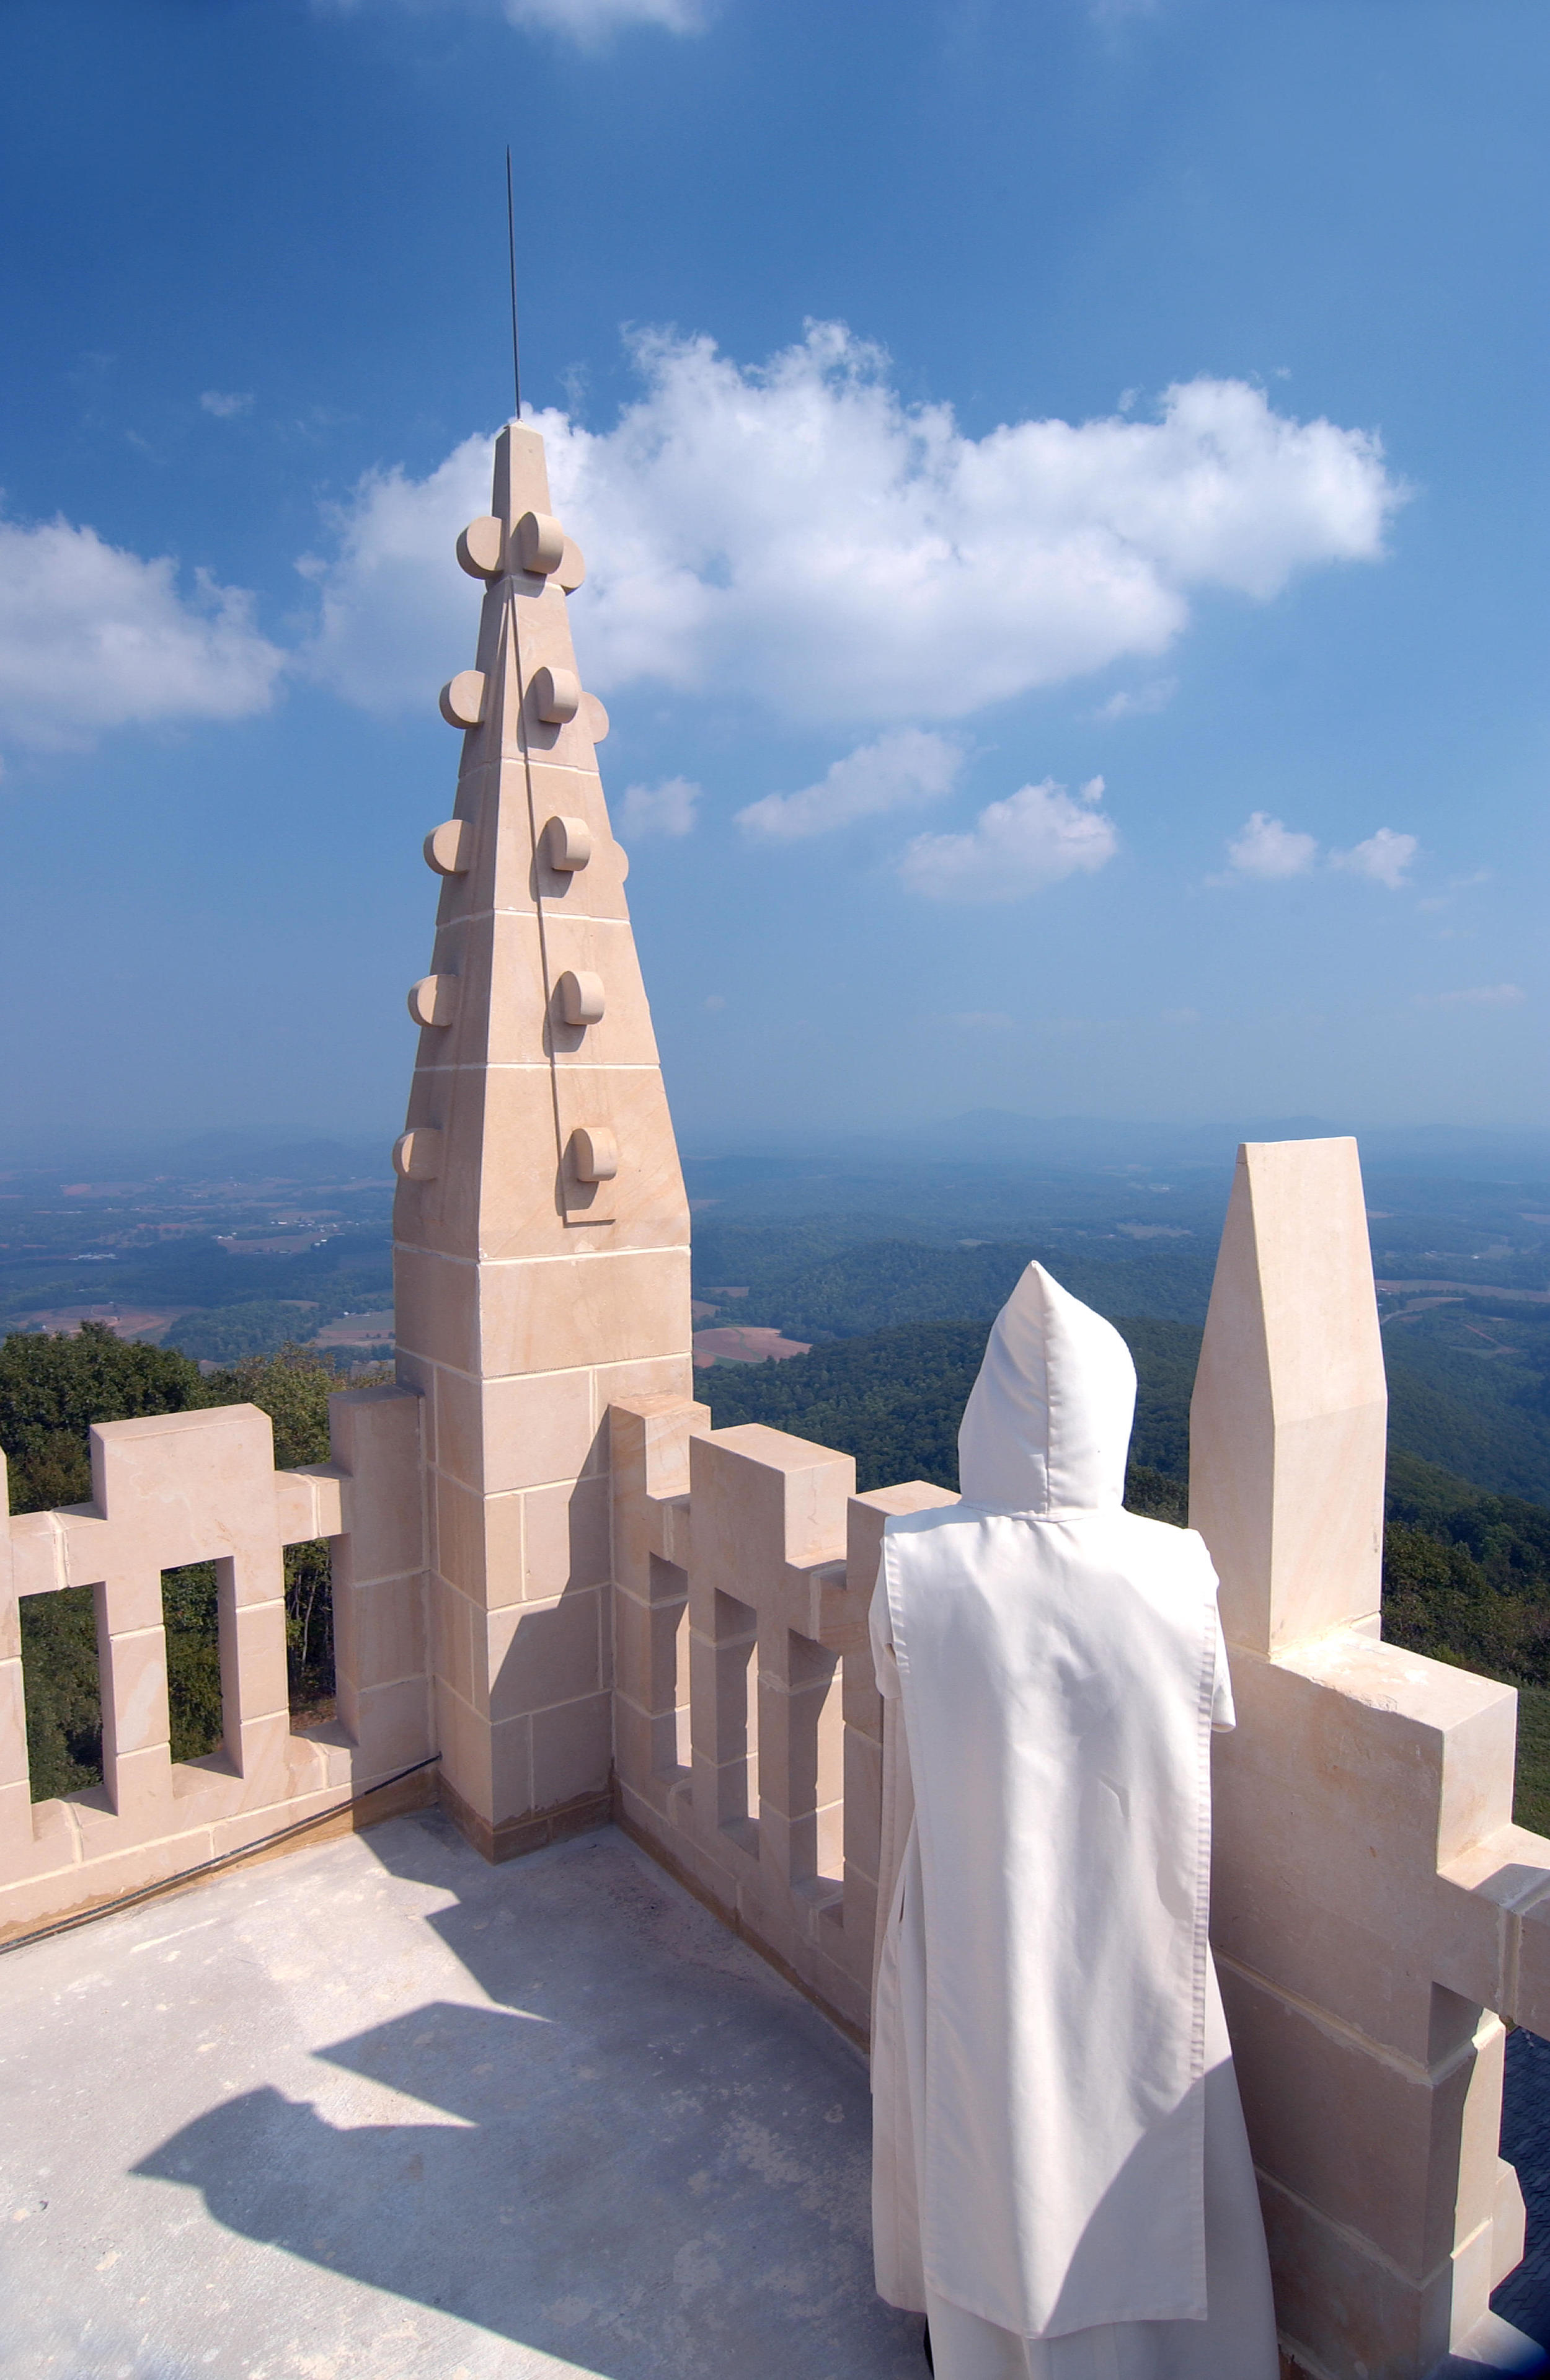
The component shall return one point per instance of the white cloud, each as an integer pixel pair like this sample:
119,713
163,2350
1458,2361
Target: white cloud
1437,901
1481,995
1034,838
667,809
92,638
898,771
1385,856
396,614
796,533
1267,849
591,21
225,404
587,22
1139,702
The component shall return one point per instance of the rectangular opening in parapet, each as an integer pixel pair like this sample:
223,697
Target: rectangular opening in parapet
683,1715
737,1717
62,1684
667,1686
309,1634
191,1616
814,1714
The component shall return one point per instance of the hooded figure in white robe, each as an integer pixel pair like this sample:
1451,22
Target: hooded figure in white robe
1062,2181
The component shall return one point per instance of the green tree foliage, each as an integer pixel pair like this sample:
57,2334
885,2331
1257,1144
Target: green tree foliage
64,1691
1465,1578
51,1391
234,1334
797,1279
1466,1573
293,1388
1157,1495
1468,1381
1167,1354
1457,1402
1530,1800
894,1399
190,1613
1438,1600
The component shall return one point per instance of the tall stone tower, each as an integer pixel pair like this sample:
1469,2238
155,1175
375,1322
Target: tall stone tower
542,1234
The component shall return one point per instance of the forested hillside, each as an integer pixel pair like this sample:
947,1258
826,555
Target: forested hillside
893,1398
220,1269
1469,1376
1466,1570
52,1389
813,1283
1469,1390
897,1325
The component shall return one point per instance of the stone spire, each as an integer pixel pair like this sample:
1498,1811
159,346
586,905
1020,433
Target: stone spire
540,1228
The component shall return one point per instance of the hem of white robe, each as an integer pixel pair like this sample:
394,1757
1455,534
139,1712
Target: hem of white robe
1192,2310
965,2348
1235,2339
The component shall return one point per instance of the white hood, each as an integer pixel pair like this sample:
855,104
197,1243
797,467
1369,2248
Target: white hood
1047,1424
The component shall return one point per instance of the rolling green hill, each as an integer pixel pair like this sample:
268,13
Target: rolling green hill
1466,1568
1469,1377
893,1398
1469,1390
813,1284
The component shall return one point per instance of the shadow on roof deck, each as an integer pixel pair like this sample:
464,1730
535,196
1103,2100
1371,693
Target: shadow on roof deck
378,2111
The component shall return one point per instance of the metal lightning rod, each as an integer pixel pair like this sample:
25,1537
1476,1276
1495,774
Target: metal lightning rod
511,258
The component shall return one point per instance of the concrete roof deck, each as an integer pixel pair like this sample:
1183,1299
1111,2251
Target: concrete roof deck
378,2111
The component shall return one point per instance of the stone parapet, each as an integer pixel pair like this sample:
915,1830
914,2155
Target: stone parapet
177,1489
1376,1914
747,1726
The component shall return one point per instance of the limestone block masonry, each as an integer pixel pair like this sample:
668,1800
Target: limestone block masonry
202,1487
553,1574
542,1234
1374,1910
1368,1884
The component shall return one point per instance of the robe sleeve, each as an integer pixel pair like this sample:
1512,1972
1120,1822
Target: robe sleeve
898,1788
1224,1718
885,1661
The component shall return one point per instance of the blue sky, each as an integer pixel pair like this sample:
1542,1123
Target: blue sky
1065,492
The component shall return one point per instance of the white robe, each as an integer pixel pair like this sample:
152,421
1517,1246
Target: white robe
1060,2180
